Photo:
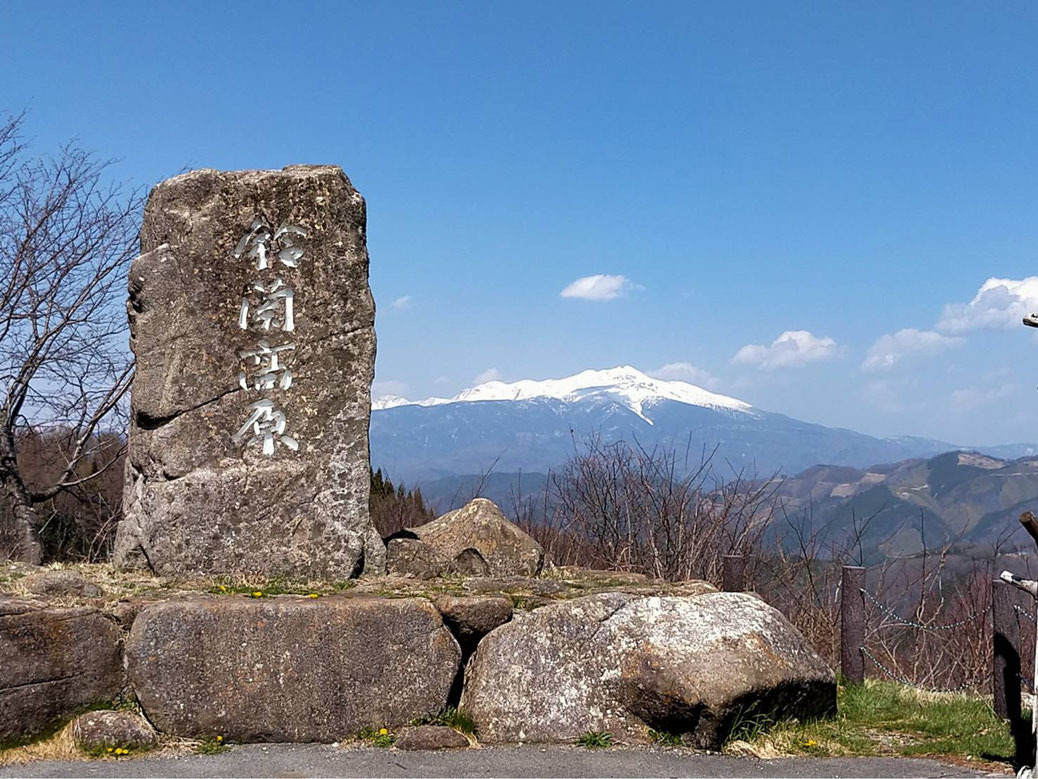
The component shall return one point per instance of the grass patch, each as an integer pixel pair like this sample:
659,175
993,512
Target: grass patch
211,746
883,718
378,737
664,738
596,739
451,718
229,585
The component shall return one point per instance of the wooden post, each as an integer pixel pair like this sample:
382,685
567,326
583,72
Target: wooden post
1005,635
852,624
733,577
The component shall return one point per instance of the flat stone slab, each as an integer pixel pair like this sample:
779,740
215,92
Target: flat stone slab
53,663
289,669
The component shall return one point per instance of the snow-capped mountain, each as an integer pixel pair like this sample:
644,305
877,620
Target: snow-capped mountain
534,426
625,384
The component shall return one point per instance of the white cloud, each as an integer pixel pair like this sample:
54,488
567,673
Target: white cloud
490,374
403,303
892,348
791,349
999,304
969,398
684,371
379,389
890,396
599,287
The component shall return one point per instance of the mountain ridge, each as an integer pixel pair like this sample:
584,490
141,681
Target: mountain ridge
534,426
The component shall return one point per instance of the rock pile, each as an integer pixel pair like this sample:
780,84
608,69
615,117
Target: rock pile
528,658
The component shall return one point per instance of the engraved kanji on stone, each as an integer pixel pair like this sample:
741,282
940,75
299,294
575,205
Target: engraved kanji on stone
255,244
265,428
264,370
289,254
264,305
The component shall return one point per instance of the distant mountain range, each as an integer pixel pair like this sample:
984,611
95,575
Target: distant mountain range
965,499
533,426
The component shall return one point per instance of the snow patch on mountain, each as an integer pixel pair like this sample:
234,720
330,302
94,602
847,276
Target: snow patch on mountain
624,384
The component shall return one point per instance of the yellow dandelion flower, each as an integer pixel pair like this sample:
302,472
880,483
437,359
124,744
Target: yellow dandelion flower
810,743
257,594
383,732
110,749
313,595
223,588
219,738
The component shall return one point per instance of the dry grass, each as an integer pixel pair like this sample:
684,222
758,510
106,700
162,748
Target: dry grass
59,746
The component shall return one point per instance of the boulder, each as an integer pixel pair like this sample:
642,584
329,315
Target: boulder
472,617
469,562
57,582
288,668
53,663
97,730
412,558
480,525
426,737
252,324
624,664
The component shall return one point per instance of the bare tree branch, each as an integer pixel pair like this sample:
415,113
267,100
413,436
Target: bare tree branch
67,237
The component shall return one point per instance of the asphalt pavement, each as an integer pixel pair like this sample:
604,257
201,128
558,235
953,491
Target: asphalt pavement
319,760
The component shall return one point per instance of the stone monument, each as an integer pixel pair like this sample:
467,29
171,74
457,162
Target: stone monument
253,327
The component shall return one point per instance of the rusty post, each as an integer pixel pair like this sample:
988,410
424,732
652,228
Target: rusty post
852,624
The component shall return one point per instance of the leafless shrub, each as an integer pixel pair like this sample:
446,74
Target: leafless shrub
66,240
624,507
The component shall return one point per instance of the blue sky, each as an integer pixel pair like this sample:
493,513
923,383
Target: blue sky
840,173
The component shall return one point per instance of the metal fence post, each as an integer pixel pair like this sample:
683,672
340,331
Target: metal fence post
852,624
1005,636
733,576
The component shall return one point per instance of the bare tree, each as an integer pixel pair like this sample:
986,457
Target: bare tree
620,506
67,236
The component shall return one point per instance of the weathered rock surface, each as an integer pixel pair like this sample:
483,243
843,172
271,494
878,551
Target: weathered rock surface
412,558
469,562
289,669
427,737
480,525
253,327
621,663
102,729
59,582
53,662
472,617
